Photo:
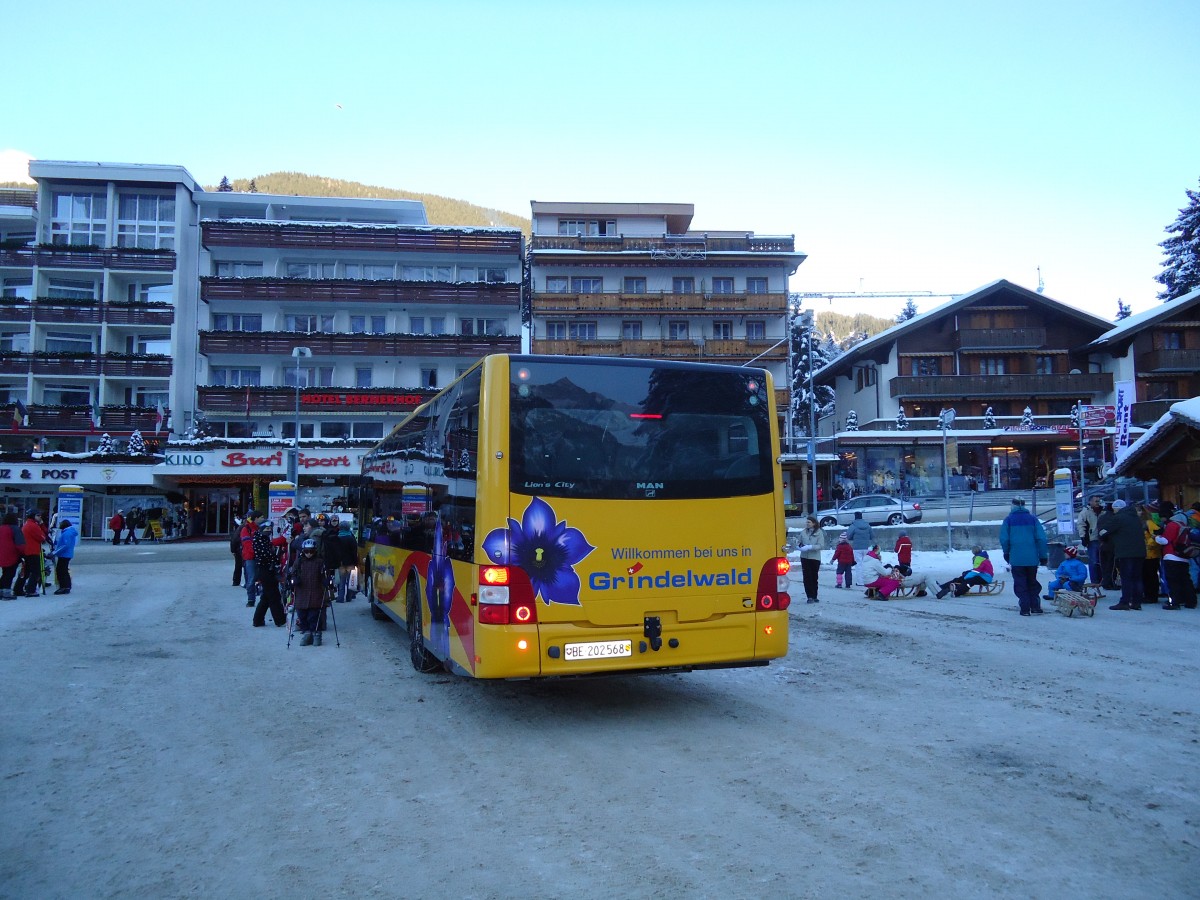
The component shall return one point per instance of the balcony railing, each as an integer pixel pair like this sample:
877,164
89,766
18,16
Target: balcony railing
112,314
1001,338
699,243
712,350
387,239
281,343
85,365
343,290
1169,361
1148,412
268,400
79,418
127,418
627,304
970,386
65,257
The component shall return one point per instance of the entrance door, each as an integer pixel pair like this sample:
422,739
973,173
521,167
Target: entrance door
213,509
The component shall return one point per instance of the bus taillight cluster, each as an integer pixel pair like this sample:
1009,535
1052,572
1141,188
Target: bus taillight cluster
505,597
773,585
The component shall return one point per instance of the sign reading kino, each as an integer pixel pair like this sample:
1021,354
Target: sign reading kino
262,460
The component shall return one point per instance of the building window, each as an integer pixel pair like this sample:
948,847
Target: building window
237,322
316,324
683,285
570,226
17,287
722,331
149,398
470,274
1044,365
14,341
429,377
66,395
583,331
556,331
677,330
68,342
756,330
437,325
864,377
222,376
634,284
358,324
756,285
310,376
141,292
146,221
587,285
992,365
926,365
386,273
410,273
72,289
556,284
362,377
1170,340
79,218
372,430
229,269
288,430
481,327
138,343
310,270
587,226
722,286
631,331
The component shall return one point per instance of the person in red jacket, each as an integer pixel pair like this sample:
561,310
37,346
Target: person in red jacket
903,551
12,548
843,556
117,524
246,535
35,536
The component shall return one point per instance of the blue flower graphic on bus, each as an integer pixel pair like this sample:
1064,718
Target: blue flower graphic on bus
439,591
545,548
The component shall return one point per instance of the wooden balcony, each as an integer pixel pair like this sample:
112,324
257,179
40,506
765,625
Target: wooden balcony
345,290
66,257
116,365
1148,412
658,303
10,312
385,239
112,314
966,387
270,400
67,313
738,351
120,366
1001,338
59,418
691,246
276,343
1186,361
138,314
41,364
127,418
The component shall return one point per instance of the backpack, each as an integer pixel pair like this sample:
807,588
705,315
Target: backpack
1187,543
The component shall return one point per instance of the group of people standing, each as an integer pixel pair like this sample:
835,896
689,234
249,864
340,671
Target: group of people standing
1147,548
882,578
26,546
304,553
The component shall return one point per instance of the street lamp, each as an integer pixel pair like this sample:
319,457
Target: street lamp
947,419
293,460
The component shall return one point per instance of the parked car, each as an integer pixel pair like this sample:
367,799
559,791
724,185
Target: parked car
877,509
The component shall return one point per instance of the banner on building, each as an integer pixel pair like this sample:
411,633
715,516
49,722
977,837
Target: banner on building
1126,396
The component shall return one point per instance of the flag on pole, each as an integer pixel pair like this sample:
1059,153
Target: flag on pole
247,401
159,417
19,413
95,420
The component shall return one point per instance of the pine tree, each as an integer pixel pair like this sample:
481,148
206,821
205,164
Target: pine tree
989,418
1181,270
909,311
137,444
225,186
106,444
1027,418
801,366
1075,416
253,187
852,421
1123,310
901,420
201,429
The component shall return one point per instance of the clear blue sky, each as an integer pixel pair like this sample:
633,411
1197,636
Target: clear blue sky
920,146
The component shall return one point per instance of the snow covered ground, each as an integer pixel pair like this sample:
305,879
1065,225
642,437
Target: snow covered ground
153,744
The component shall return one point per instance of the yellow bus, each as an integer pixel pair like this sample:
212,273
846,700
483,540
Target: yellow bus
549,516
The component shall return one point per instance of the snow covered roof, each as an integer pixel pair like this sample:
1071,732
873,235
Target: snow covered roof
1131,325
884,338
1185,413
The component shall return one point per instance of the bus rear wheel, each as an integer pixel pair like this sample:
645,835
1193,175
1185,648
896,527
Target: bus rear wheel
422,659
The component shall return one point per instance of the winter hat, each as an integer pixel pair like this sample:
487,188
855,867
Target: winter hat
1018,501
1071,552
844,536
1119,504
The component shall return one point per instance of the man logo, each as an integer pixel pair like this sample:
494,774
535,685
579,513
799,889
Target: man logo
649,485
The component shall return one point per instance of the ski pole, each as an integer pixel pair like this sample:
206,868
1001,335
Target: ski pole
336,640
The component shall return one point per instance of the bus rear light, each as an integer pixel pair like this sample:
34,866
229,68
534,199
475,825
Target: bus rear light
768,629
493,615
523,614
766,601
493,575
522,645
773,584
783,565
505,597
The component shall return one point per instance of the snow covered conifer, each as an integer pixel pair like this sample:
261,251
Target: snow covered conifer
137,444
1181,270
852,421
106,444
901,420
1027,418
989,418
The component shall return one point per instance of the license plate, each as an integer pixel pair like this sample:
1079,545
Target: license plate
597,650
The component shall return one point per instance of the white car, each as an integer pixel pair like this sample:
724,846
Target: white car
877,509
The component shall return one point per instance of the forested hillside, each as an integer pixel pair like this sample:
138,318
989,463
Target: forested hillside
440,210
850,329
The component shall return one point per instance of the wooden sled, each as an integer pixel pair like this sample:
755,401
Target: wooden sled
1071,602
996,587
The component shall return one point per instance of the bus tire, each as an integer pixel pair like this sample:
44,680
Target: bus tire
422,659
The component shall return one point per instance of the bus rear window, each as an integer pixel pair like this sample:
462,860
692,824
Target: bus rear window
587,429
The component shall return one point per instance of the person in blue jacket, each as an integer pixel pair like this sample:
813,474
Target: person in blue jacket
1023,540
1070,575
64,551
